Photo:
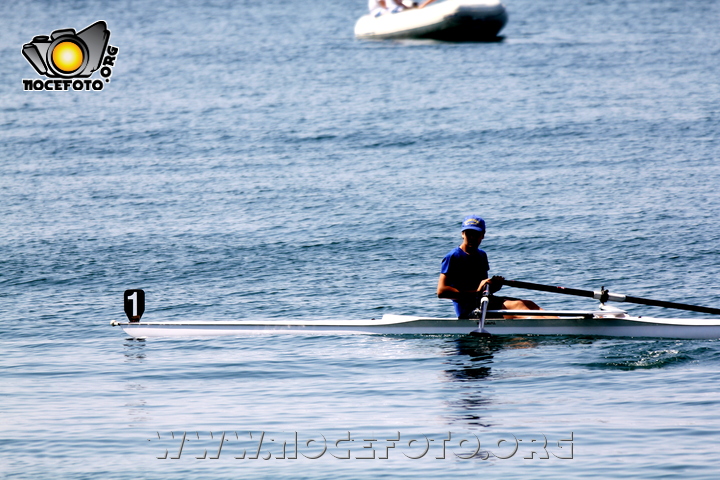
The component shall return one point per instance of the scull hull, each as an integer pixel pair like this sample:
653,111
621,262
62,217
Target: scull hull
612,326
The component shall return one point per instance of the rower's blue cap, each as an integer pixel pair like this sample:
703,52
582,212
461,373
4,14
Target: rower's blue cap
473,222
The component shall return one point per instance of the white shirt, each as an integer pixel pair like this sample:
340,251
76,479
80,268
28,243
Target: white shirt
376,8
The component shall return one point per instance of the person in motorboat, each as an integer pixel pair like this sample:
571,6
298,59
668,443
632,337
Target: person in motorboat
380,7
377,7
464,274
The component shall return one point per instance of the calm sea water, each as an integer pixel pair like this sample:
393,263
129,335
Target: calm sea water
253,160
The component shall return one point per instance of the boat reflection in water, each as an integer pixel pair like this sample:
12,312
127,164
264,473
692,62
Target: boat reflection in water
475,371
481,350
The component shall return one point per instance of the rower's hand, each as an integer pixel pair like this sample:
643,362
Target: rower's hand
496,283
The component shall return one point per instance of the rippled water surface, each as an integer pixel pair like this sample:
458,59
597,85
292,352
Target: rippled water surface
254,161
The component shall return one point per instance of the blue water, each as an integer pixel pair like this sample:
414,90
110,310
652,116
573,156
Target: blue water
252,160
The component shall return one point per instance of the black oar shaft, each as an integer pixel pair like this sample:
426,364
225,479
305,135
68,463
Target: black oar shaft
610,296
549,288
678,306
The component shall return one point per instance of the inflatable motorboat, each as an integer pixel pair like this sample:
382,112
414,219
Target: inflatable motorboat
449,20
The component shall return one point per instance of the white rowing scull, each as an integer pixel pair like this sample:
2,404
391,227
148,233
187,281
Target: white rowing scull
607,321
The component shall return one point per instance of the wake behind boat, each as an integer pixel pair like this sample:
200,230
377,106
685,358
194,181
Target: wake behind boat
450,20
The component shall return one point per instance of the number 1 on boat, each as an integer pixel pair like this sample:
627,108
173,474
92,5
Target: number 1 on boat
134,303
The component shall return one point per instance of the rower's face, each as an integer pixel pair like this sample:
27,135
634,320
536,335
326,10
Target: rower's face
473,238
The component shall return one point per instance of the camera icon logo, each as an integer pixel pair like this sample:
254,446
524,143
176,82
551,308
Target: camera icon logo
67,54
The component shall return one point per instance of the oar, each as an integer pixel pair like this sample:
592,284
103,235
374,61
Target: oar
605,296
480,331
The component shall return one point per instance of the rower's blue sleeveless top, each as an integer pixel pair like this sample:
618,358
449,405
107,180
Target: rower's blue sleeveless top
465,272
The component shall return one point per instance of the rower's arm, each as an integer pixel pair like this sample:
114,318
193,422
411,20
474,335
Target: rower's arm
446,291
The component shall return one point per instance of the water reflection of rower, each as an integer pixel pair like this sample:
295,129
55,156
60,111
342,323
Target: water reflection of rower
474,372
481,351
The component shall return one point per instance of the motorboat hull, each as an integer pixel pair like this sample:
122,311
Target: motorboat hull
452,20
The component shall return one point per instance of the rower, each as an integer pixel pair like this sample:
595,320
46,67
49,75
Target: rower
464,274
